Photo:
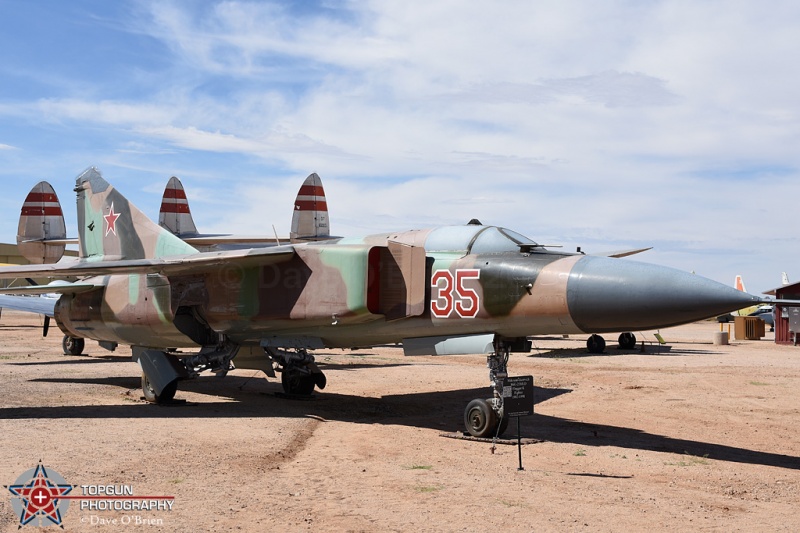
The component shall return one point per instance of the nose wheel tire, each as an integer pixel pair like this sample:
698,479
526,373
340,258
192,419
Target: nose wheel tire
480,419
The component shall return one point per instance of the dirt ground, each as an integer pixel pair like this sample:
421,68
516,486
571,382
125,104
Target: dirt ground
690,436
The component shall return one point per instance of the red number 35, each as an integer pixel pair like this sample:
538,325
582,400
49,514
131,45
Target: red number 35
448,293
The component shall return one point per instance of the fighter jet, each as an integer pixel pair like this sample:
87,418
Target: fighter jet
447,290
41,235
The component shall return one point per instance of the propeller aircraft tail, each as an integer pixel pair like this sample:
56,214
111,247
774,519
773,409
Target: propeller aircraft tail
41,234
110,228
175,214
310,218
738,284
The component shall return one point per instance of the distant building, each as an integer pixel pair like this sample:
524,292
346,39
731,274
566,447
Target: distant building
787,319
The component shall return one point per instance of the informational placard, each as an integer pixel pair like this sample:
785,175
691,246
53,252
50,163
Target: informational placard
518,396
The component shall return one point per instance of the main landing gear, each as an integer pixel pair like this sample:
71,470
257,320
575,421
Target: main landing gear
299,373
597,344
162,370
167,393
72,345
486,418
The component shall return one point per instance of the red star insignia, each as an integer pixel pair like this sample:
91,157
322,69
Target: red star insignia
40,496
111,221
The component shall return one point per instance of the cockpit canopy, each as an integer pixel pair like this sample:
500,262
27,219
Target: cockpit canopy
475,239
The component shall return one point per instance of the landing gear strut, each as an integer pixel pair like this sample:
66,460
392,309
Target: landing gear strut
486,418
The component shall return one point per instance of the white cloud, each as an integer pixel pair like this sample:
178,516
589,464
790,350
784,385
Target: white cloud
666,123
122,114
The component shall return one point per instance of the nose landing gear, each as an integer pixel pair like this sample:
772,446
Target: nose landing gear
485,418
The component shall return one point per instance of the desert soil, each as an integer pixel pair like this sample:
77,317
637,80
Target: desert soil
690,436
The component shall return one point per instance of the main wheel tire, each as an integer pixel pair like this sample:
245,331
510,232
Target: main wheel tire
627,341
166,395
297,382
72,345
596,344
480,419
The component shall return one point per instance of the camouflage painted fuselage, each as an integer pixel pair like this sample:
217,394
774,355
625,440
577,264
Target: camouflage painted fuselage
450,281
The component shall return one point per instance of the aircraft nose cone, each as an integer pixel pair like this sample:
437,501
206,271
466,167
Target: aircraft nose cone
607,294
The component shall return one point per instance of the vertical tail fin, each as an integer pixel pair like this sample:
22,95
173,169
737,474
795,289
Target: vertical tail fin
175,214
41,222
784,278
310,218
739,283
111,228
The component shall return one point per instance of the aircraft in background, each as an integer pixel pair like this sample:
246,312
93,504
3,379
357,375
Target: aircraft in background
309,219
447,290
738,282
765,311
767,314
42,232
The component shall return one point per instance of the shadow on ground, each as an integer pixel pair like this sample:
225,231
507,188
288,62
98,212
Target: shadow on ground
438,410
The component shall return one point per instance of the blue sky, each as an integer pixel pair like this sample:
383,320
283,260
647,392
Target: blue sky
604,125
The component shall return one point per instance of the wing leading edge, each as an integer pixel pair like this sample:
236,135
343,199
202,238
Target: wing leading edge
169,265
